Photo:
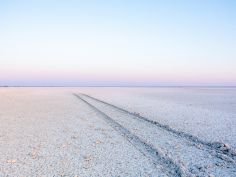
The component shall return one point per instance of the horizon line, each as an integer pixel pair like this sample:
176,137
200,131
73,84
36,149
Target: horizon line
228,86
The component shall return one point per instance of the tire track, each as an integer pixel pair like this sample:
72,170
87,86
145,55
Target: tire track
193,159
221,150
146,149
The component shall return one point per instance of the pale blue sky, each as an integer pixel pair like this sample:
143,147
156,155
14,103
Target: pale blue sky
53,42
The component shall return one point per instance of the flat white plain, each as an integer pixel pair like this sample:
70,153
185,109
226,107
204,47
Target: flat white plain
48,131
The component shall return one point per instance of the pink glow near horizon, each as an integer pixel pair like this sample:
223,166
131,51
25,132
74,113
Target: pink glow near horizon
108,78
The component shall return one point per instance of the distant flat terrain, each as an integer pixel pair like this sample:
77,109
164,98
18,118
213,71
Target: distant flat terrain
117,132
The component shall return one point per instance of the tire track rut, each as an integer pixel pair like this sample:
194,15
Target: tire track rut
148,150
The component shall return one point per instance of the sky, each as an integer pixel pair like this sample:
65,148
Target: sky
118,43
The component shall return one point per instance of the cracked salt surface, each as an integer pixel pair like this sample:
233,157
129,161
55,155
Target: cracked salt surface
50,132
